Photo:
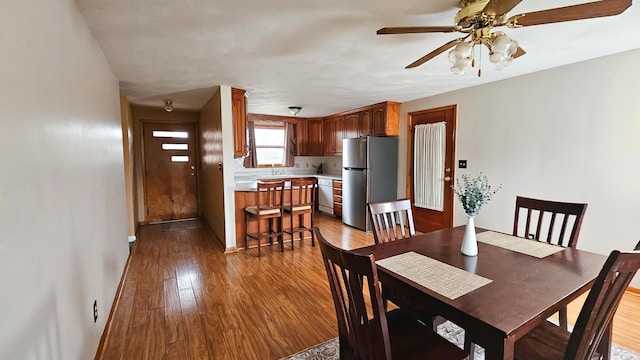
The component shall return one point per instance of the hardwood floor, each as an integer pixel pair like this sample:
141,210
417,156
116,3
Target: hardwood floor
183,298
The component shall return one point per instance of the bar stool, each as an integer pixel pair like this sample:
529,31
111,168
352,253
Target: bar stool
270,207
302,202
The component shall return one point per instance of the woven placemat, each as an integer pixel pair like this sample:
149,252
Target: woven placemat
446,280
524,246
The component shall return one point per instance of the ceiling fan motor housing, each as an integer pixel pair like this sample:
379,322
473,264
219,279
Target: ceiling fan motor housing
471,9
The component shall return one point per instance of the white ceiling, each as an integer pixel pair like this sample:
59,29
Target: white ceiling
322,55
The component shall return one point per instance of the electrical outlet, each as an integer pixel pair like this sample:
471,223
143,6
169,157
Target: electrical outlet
95,310
307,165
335,165
462,164
297,165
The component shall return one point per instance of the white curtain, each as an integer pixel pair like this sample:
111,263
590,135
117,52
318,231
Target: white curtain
428,165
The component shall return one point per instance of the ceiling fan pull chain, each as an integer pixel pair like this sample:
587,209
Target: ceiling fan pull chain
480,62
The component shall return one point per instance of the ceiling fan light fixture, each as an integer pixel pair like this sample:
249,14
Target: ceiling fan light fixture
461,57
502,50
463,49
168,106
461,65
500,43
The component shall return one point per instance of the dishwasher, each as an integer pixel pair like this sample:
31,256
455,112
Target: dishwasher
325,195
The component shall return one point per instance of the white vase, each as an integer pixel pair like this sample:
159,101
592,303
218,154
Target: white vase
469,243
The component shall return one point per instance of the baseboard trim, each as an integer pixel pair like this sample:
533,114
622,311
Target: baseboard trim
633,290
116,301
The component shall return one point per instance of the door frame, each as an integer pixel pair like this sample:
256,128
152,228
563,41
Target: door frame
143,165
450,146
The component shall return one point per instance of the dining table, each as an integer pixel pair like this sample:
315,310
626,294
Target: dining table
497,296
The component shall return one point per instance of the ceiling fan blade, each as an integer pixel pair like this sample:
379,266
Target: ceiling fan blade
416,29
569,13
518,53
435,53
500,7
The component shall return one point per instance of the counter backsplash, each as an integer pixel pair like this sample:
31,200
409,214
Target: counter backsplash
303,166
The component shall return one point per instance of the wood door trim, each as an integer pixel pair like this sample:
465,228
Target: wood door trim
410,135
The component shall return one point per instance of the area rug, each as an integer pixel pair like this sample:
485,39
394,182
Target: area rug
328,350
181,225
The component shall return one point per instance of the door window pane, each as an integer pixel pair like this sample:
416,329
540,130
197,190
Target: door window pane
170,134
175,147
177,158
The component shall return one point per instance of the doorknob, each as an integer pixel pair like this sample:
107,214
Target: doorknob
447,178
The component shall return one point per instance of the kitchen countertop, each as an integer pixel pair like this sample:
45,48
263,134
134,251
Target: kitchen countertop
250,183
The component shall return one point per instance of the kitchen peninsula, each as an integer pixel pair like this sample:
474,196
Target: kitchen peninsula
246,194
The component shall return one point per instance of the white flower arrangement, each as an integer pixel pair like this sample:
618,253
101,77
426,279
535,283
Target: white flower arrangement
474,192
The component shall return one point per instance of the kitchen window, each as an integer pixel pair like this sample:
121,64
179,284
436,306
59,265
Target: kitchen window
270,144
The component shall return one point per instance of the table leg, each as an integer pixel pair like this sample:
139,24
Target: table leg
500,349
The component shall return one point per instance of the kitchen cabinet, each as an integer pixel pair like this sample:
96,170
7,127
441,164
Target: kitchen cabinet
316,147
332,131
337,198
385,119
365,123
302,137
338,135
352,125
239,116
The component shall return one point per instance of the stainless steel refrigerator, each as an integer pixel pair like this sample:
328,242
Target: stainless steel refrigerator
369,174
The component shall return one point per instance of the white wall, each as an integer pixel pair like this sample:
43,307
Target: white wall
62,199
568,134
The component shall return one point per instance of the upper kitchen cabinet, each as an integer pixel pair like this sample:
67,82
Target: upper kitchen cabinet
352,126
382,119
385,119
338,135
239,113
364,123
302,137
316,147
332,135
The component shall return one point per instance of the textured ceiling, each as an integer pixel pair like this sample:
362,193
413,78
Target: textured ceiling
322,55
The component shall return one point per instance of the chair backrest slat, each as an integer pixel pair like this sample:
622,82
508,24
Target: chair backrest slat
272,192
540,208
390,220
601,304
303,191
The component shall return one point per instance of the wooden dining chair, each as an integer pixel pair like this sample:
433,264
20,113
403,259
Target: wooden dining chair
536,210
301,203
592,332
552,224
271,208
390,220
366,330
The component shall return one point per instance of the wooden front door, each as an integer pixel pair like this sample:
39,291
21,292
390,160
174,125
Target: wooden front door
171,181
431,220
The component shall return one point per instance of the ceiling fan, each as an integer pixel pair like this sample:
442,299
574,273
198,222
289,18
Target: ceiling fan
478,18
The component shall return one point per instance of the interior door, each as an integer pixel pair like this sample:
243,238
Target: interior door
171,185
430,220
